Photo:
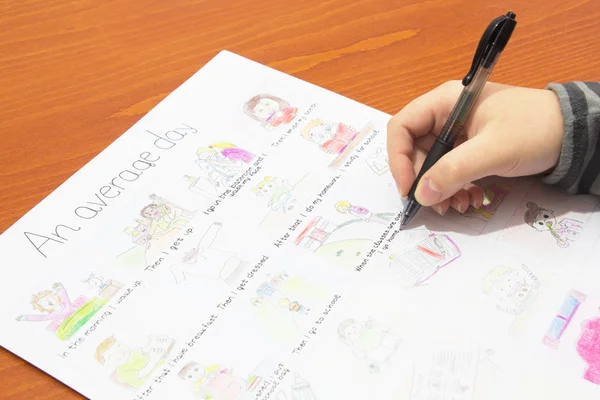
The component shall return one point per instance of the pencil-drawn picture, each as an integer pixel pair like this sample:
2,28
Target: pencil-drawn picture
588,348
282,303
131,367
207,261
219,165
371,342
65,317
335,138
420,263
270,111
300,389
563,318
446,373
378,161
157,225
217,382
511,289
543,220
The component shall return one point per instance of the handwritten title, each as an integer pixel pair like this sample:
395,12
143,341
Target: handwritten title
112,188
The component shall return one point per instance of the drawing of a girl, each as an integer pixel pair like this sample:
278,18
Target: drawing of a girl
588,348
270,110
332,137
345,207
543,219
54,305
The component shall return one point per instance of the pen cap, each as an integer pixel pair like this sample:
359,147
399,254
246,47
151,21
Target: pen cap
492,42
505,31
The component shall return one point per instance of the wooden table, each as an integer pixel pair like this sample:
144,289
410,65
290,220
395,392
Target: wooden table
77,73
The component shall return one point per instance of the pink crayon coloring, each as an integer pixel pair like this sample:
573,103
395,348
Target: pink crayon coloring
588,348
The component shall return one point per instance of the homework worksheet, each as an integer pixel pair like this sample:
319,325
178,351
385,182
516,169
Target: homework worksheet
241,242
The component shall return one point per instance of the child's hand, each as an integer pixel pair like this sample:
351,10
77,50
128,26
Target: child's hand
511,131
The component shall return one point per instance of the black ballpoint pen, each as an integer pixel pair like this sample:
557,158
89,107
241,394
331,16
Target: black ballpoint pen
491,45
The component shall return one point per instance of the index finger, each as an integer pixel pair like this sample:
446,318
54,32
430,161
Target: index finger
425,114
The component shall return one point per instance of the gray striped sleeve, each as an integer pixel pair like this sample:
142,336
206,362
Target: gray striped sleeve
578,169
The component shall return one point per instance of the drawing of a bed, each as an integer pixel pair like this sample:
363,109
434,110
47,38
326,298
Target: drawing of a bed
424,260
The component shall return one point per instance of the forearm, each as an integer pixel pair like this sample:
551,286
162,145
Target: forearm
578,169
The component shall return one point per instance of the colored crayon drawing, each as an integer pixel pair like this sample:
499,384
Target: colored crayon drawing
588,348
563,318
270,111
283,303
219,165
564,232
362,213
335,138
420,263
65,316
131,367
217,382
345,244
278,191
158,225
495,194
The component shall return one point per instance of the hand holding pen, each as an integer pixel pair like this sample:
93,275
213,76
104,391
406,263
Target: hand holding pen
492,129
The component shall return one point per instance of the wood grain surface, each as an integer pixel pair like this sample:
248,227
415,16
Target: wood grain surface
77,74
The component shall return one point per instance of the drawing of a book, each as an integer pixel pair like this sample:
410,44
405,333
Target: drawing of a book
421,262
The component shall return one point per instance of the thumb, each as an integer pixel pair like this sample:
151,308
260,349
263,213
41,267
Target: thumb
474,159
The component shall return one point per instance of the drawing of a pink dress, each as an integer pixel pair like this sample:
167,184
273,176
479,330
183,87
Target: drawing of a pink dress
61,312
284,116
343,136
588,348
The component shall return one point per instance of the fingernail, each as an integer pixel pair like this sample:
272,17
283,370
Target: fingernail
429,191
437,208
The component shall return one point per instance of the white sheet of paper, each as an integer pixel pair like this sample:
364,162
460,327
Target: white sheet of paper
241,241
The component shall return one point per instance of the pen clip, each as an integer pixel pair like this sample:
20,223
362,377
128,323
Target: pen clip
487,40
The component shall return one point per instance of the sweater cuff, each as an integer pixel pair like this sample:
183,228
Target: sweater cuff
580,107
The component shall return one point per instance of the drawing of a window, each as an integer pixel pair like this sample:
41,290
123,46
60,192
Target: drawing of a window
315,234
562,320
421,262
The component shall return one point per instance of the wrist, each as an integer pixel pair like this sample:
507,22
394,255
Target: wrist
556,129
